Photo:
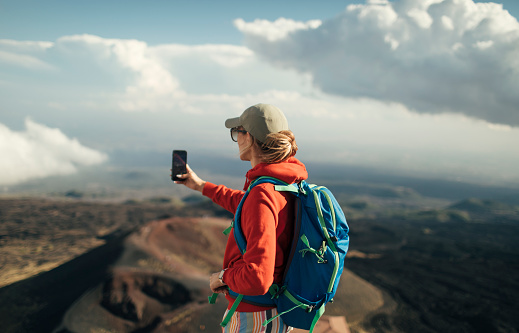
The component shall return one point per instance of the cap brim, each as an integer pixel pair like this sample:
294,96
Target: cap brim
232,122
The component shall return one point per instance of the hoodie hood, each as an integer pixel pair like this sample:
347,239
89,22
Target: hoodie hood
289,171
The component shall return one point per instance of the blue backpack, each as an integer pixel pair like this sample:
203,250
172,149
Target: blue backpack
316,258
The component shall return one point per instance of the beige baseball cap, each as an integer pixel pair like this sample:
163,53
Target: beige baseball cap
260,120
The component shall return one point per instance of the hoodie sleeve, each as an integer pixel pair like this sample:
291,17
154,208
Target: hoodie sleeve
225,197
253,273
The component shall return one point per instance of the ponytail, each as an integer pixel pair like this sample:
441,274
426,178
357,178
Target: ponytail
278,147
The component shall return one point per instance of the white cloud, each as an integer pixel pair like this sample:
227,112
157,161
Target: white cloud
125,71
276,30
24,54
130,75
224,55
447,22
192,89
39,152
150,83
421,17
25,46
432,56
23,60
483,45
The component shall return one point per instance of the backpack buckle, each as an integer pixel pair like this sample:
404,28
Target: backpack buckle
300,186
279,292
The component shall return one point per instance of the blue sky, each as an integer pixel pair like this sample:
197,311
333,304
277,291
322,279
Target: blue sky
425,88
157,22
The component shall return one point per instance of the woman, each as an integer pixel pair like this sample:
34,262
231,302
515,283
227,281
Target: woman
267,216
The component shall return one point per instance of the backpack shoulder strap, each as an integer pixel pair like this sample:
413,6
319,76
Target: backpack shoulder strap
237,230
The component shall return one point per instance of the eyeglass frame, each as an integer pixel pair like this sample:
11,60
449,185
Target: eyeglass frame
236,130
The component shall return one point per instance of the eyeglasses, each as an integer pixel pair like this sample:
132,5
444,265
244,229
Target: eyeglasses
234,133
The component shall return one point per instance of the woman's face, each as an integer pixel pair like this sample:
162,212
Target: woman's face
244,146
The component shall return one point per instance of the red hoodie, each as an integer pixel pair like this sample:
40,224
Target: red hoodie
267,223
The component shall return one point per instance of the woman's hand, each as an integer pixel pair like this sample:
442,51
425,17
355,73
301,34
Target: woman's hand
216,285
191,180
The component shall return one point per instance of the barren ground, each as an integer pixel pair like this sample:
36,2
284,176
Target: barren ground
74,266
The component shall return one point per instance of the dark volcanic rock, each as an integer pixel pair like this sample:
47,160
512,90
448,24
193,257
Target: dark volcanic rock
124,295
38,303
446,277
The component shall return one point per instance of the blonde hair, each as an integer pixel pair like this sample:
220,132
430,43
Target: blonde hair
278,147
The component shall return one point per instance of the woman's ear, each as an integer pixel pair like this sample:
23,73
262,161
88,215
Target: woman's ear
249,138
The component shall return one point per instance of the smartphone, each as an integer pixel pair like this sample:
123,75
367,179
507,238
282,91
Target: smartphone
179,162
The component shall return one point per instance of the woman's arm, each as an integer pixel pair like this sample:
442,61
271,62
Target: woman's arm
225,197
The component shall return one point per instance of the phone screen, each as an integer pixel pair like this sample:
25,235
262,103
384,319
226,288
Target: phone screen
179,163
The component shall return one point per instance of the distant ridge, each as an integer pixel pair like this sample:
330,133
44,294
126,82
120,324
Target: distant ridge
487,210
481,206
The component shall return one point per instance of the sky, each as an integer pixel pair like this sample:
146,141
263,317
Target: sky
425,88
